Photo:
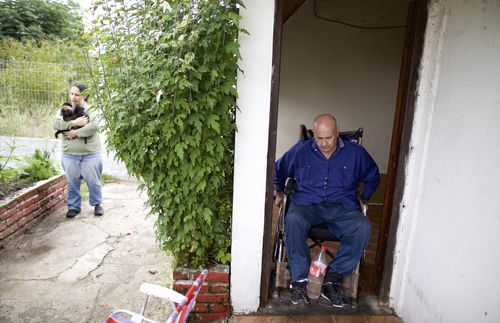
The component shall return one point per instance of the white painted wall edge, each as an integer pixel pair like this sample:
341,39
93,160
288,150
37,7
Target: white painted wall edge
250,164
426,93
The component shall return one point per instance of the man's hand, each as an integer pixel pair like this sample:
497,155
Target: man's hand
71,133
79,122
278,198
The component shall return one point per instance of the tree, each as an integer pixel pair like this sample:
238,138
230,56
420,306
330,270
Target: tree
40,19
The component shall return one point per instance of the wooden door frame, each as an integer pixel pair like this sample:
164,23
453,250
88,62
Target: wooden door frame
400,148
271,154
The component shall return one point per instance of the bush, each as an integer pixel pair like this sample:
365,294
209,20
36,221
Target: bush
167,89
39,166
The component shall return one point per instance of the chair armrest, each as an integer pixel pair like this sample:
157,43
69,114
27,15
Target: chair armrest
162,292
364,208
362,205
289,186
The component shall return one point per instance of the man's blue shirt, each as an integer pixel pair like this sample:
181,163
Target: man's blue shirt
334,180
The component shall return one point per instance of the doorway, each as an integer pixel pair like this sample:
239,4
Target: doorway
358,63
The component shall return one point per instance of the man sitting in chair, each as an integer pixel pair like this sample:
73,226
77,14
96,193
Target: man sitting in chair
327,171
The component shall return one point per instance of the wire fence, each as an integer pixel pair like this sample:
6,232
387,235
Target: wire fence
36,83
30,93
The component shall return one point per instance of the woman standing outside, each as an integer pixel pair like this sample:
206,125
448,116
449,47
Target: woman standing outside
81,155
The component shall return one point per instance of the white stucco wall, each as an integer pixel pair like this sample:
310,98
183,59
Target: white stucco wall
351,73
447,260
254,93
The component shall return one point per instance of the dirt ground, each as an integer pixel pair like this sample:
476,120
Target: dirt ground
80,269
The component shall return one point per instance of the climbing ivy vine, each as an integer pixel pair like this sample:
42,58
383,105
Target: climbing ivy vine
165,79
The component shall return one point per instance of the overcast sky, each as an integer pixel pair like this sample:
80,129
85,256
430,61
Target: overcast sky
85,5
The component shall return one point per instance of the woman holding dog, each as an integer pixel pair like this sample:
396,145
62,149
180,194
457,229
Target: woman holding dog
81,154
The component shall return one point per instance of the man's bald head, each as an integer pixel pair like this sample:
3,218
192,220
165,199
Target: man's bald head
326,133
325,118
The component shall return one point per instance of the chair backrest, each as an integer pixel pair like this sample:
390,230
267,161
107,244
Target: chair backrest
183,309
354,135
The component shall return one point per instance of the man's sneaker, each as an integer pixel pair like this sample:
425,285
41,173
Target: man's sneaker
299,293
98,210
72,213
333,293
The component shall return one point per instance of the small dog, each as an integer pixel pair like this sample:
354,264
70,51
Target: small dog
69,113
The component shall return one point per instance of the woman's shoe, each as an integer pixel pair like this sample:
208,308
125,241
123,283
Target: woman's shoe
98,210
72,213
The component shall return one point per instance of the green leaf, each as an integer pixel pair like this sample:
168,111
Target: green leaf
213,122
207,215
179,149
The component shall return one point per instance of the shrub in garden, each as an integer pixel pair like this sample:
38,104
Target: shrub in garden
39,166
166,84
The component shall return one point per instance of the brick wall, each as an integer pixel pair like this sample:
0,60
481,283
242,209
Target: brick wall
17,211
213,301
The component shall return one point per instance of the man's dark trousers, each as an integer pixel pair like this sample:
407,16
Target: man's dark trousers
350,226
